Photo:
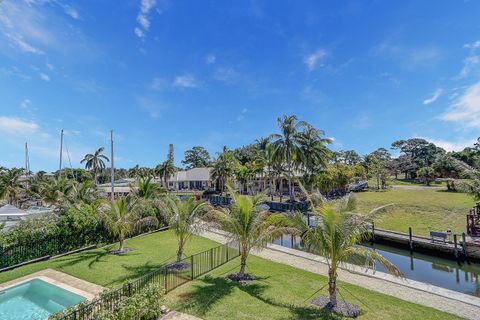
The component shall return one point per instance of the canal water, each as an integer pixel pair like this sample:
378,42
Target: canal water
440,272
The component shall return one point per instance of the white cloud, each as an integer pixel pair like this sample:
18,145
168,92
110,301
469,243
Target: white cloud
436,94
44,77
457,145
14,126
25,104
210,58
71,11
185,81
473,45
409,57
143,17
466,108
312,59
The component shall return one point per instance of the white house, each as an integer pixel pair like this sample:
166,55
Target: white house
192,179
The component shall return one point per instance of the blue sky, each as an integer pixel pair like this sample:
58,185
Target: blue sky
217,73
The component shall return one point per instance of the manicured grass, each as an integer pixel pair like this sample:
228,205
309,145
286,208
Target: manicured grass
424,210
100,267
282,292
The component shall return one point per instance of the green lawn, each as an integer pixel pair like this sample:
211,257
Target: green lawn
424,210
281,292
100,267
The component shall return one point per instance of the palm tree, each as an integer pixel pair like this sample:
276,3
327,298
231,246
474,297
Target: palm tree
335,235
224,168
121,217
183,218
147,188
249,225
95,162
57,192
287,147
10,186
165,171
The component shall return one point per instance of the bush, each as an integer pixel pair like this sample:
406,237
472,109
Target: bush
143,305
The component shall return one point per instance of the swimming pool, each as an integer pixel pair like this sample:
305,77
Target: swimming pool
35,300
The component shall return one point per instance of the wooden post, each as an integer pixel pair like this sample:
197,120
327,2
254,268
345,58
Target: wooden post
292,241
191,265
410,238
455,245
373,232
464,244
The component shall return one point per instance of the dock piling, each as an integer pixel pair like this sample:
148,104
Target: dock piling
410,241
455,245
464,245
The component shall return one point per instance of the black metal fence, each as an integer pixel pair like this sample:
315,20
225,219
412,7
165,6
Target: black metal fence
51,245
168,276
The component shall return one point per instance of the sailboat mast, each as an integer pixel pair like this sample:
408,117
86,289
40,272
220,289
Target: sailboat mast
112,168
61,154
27,166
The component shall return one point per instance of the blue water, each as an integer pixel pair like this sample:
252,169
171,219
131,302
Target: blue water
35,300
440,272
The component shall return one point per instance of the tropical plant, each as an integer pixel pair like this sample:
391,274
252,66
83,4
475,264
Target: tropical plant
182,217
146,188
57,192
121,217
165,171
11,187
249,224
224,168
426,175
95,162
287,145
335,235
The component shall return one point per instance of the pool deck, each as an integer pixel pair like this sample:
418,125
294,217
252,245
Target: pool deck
62,280
449,301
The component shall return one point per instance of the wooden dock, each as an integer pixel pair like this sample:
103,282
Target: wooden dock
459,249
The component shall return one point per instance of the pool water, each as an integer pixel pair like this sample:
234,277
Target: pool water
35,300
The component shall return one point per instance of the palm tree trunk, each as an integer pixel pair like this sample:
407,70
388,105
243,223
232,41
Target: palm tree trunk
243,262
290,191
332,286
122,242
180,250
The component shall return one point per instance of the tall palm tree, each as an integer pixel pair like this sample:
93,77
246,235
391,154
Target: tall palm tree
224,168
182,217
10,186
165,170
95,162
121,217
336,233
287,147
249,225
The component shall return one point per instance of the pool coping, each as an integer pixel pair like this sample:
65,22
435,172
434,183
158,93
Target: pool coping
62,280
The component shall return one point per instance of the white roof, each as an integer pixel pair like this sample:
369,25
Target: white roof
12,211
195,174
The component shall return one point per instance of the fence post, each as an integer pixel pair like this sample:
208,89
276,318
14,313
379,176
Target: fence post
129,285
191,265
226,247
211,259
410,238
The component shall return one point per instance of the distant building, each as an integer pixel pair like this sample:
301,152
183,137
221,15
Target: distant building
11,215
192,179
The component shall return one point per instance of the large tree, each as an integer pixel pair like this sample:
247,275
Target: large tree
165,170
224,168
287,145
95,162
196,157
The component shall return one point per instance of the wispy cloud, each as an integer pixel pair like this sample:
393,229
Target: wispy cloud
156,84
409,56
143,18
14,126
472,61
436,94
455,145
44,77
210,58
466,108
185,81
71,11
25,104
312,60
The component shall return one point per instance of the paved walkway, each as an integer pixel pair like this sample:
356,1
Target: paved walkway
419,187
174,315
453,302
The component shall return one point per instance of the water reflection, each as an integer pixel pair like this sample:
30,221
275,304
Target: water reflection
425,268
